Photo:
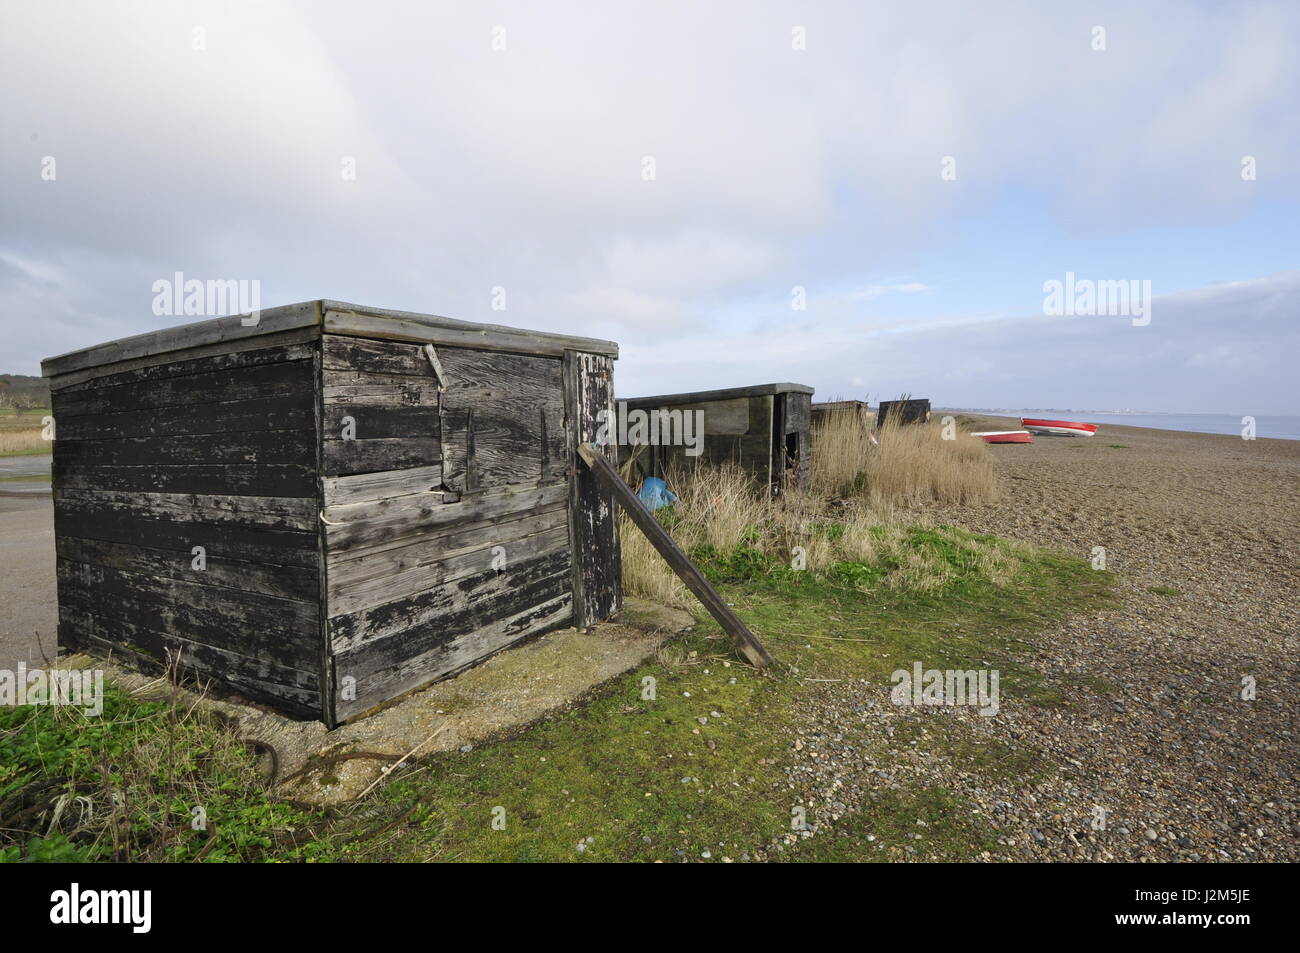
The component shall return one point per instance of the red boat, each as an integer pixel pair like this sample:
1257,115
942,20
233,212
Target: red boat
1058,428
1004,436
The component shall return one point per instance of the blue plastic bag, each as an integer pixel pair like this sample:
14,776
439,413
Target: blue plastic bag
654,493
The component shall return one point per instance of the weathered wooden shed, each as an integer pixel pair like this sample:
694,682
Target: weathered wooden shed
905,410
333,506
763,428
824,411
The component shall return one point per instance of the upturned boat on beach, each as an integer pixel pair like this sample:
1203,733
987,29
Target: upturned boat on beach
1003,436
1058,428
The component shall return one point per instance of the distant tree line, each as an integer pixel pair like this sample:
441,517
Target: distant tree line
21,392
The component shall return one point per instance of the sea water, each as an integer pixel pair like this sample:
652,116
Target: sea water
1284,427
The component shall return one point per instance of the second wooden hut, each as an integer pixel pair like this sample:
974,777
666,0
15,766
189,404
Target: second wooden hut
762,428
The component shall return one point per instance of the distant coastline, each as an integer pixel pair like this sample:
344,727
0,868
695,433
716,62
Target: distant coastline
1277,426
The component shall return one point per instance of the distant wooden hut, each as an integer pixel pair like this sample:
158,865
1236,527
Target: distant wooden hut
763,428
909,411
826,410
334,505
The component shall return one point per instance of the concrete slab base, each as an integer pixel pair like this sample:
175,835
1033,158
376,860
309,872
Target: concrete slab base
510,690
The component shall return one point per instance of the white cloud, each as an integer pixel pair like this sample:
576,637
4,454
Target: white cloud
522,168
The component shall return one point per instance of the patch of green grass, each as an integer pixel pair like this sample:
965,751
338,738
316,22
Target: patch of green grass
27,478
126,784
1165,590
39,451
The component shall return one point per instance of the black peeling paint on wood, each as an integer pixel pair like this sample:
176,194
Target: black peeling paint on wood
597,564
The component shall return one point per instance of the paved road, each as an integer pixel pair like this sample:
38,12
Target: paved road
28,612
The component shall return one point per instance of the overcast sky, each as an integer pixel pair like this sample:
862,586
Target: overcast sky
919,170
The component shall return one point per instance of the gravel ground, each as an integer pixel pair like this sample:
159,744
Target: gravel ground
1161,740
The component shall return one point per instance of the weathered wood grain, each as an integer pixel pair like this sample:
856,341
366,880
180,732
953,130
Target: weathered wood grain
216,331
376,487
503,418
371,422
238,608
286,347
429,548
350,528
242,447
462,650
227,619
342,457
295,690
352,594
284,379
429,608
297,583
250,479
350,355
395,392
161,529
433,530
327,696
291,412
269,512
342,318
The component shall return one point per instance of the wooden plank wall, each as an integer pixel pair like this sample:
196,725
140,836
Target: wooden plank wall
217,451
446,549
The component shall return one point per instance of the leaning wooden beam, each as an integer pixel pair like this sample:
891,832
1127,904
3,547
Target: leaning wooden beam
745,640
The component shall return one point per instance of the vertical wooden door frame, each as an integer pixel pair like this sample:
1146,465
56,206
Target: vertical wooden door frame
593,524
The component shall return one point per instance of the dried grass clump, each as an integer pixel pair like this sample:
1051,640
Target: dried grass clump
915,463
909,464
853,514
645,574
23,441
907,555
840,447
719,506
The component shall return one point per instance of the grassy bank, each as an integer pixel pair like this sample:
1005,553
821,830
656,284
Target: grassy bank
694,755
642,777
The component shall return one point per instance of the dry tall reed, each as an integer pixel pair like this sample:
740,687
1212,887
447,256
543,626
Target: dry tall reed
907,464
722,507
